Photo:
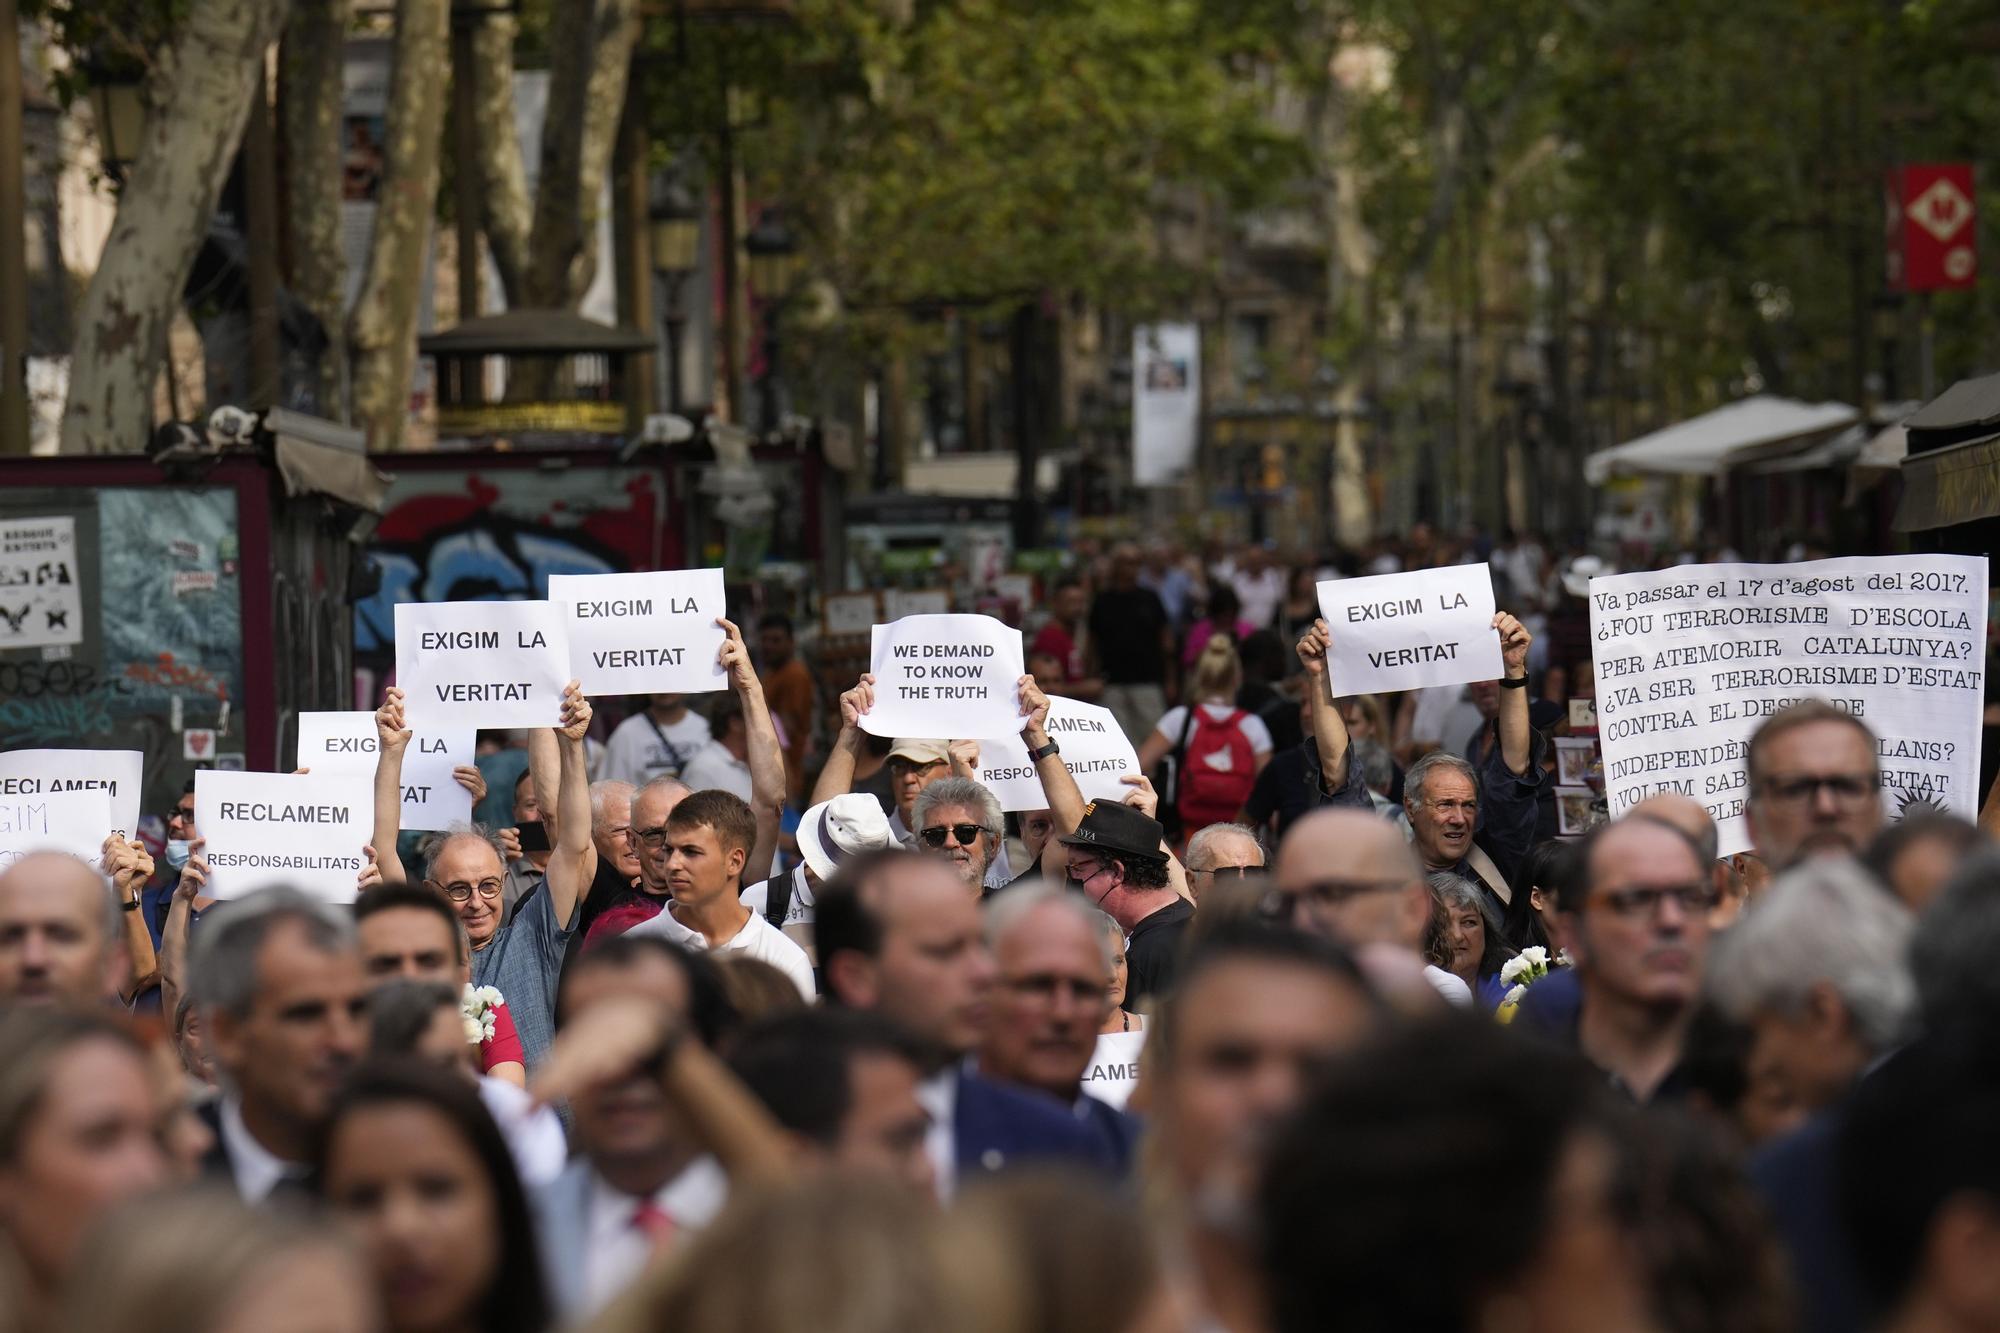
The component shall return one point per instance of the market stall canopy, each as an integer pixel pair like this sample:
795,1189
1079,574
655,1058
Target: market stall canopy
1740,432
1849,447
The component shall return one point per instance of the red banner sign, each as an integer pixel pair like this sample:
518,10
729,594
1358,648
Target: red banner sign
1933,227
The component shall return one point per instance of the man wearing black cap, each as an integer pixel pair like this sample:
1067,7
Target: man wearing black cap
1115,859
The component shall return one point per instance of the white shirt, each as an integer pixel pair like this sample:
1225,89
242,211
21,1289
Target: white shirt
938,1095
758,938
1252,726
617,1250
534,1133
712,767
1445,714
256,1169
636,755
798,912
1259,594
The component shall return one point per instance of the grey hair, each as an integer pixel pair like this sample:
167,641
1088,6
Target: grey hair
605,791
1107,924
1010,909
958,791
1455,890
1378,767
1199,845
1824,922
434,847
401,1011
1419,773
1952,949
222,965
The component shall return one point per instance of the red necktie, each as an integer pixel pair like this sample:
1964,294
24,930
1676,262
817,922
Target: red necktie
655,1223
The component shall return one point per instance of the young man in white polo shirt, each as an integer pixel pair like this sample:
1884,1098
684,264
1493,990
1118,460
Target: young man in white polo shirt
709,836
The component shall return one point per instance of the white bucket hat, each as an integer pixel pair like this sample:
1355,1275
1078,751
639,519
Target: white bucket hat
845,826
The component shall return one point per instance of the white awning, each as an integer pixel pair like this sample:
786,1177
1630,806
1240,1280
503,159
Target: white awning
1705,445
1886,452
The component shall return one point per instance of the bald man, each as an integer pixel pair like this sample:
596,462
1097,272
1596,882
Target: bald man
61,937
1348,876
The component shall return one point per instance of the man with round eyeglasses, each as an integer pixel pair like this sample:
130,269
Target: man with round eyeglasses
1635,921
1815,784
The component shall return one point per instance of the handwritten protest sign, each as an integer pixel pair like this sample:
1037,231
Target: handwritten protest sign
643,633
945,676
1690,660
116,772
41,589
306,830
1113,1071
74,821
1094,750
1406,631
344,743
481,664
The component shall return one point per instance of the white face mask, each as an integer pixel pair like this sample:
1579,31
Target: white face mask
177,852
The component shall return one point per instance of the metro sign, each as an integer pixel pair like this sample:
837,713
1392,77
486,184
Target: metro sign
1933,227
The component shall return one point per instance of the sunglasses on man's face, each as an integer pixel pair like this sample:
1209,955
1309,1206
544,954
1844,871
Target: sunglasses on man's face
966,834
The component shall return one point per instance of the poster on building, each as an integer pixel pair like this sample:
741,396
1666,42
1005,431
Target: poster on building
1166,401
1691,660
41,595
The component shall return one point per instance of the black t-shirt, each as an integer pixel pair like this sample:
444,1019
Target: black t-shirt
1285,787
1153,952
1128,626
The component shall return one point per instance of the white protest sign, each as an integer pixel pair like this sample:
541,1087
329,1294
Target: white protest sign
116,772
302,829
76,822
1690,660
1114,1067
643,633
947,676
1407,631
481,664
344,743
1094,750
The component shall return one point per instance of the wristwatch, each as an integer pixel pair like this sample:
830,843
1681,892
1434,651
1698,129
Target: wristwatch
130,904
1051,748
1513,682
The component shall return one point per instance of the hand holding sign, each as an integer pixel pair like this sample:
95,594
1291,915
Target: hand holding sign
575,713
733,658
945,675
855,703
390,731
1313,647
1407,631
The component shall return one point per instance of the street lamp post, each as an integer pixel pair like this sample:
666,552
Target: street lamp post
675,220
774,266
118,104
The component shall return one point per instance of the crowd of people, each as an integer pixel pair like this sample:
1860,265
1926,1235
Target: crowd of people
734,1016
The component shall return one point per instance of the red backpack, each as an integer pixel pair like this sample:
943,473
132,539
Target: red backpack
1217,771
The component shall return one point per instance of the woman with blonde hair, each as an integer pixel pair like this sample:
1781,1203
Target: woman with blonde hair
1217,749
203,1262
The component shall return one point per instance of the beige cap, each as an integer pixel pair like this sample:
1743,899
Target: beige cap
920,751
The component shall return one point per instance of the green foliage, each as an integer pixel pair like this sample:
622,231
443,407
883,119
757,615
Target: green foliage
106,39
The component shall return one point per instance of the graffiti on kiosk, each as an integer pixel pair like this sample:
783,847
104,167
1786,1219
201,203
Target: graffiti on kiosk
499,539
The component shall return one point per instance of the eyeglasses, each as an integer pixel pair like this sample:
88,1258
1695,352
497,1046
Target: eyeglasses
1847,788
966,834
185,814
904,767
462,892
1326,893
1633,904
1235,872
652,839
1466,808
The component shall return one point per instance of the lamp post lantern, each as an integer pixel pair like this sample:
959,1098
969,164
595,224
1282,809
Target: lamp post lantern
675,223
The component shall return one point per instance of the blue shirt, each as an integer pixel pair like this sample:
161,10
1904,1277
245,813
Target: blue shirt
523,963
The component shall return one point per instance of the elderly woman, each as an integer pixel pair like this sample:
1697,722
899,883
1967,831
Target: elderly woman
1465,936
1118,1018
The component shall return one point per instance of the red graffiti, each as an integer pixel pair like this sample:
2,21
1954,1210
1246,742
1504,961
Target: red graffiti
168,674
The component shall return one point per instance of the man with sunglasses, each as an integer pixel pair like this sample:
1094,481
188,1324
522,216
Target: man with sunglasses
1635,921
960,820
1815,784
1226,854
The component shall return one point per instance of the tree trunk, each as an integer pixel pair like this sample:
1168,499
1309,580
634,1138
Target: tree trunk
592,45
506,212
200,99
311,107
381,331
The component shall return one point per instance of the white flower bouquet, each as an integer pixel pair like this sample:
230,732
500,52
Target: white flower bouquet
480,1005
1521,971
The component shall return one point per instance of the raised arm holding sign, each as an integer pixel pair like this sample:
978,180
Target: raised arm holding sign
481,664
950,675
